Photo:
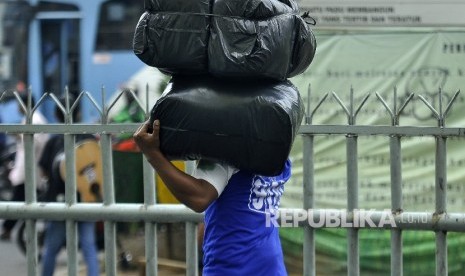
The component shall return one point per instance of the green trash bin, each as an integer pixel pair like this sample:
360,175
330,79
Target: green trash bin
129,184
128,177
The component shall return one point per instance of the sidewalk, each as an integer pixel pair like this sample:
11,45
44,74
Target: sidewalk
61,268
133,244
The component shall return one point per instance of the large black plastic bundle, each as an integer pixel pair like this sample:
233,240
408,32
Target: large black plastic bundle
249,125
253,38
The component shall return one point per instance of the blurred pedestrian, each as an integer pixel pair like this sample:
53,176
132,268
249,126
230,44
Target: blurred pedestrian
55,232
17,175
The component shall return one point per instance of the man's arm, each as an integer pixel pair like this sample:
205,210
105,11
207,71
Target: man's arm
196,194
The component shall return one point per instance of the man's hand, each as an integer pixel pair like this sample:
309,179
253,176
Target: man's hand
148,142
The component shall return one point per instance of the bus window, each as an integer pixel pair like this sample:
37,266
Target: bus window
117,21
15,21
51,6
60,51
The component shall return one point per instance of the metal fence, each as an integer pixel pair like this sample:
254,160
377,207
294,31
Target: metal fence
71,211
439,221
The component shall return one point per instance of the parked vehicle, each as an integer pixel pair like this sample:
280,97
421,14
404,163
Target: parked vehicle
7,156
81,45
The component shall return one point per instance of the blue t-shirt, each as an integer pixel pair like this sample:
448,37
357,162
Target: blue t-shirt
237,239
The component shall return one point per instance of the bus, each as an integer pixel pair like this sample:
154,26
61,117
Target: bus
82,45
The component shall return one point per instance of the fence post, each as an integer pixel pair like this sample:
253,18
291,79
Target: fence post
396,182
309,260
441,186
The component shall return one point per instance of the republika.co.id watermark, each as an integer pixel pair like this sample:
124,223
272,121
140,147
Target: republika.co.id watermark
332,218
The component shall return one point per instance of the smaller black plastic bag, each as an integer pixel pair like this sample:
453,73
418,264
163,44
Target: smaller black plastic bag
227,38
172,37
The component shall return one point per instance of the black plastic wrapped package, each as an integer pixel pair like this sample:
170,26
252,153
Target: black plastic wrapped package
171,37
236,38
304,48
247,48
249,125
259,38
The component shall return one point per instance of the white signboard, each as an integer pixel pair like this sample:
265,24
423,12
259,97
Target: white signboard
381,13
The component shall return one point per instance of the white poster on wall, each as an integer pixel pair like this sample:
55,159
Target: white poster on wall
410,62
382,13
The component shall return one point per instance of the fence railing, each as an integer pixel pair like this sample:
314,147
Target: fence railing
395,220
440,221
